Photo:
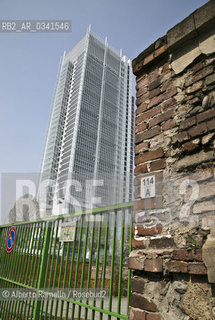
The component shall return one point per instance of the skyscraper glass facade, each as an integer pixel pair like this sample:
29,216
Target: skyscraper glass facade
89,148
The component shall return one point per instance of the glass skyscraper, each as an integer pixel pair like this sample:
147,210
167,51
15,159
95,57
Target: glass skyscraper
89,149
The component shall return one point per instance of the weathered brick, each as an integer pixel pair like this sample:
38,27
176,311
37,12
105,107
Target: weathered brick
166,67
210,79
154,84
195,87
141,127
141,91
135,264
139,243
197,268
168,125
160,118
206,115
141,99
154,93
144,146
180,137
150,203
158,165
206,190
211,125
147,134
153,265
206,206
144,231
136,314
188,123
198,66
137,284
138,301
165,96
190,146
151,155
147,115
141,108
153,316
187,255
198,130
141,169
160,51
199,75
202,174
168,103
177,266
164,242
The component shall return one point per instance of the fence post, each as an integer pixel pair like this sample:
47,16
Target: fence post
43,265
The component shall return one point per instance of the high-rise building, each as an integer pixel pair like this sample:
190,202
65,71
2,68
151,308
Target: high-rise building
90,136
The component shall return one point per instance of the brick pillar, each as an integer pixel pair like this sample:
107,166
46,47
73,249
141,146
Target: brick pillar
174,206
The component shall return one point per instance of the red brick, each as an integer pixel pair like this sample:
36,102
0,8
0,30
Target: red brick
195,87
148,59
135,314
199,75
154,84
169,103
153,265
141,169
198,255
151,203
158,165
165,96
141,127
168,125
197,268
166,67
183,254
188,123
189,146
144,146
148,114
162,117
164,242
198,130
211,125
138,244
180,137
143,231
138,301
206,115
154,93
151,155
160,50
147,134
141,99
142,108
141,91
177,266
135,264
197,67
152,316
137,284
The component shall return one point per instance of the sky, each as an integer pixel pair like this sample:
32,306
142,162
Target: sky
29,62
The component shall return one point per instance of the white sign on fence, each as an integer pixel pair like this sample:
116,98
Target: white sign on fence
67,232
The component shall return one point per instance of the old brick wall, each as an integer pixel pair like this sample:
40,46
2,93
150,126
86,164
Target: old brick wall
174,207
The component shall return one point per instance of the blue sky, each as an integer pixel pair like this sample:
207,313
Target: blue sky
29,62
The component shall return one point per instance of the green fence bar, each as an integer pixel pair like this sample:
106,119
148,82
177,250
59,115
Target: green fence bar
93,259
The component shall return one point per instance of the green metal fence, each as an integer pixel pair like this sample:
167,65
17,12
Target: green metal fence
94,260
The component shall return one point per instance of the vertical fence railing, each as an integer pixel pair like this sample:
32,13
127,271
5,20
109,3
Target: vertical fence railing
89,270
